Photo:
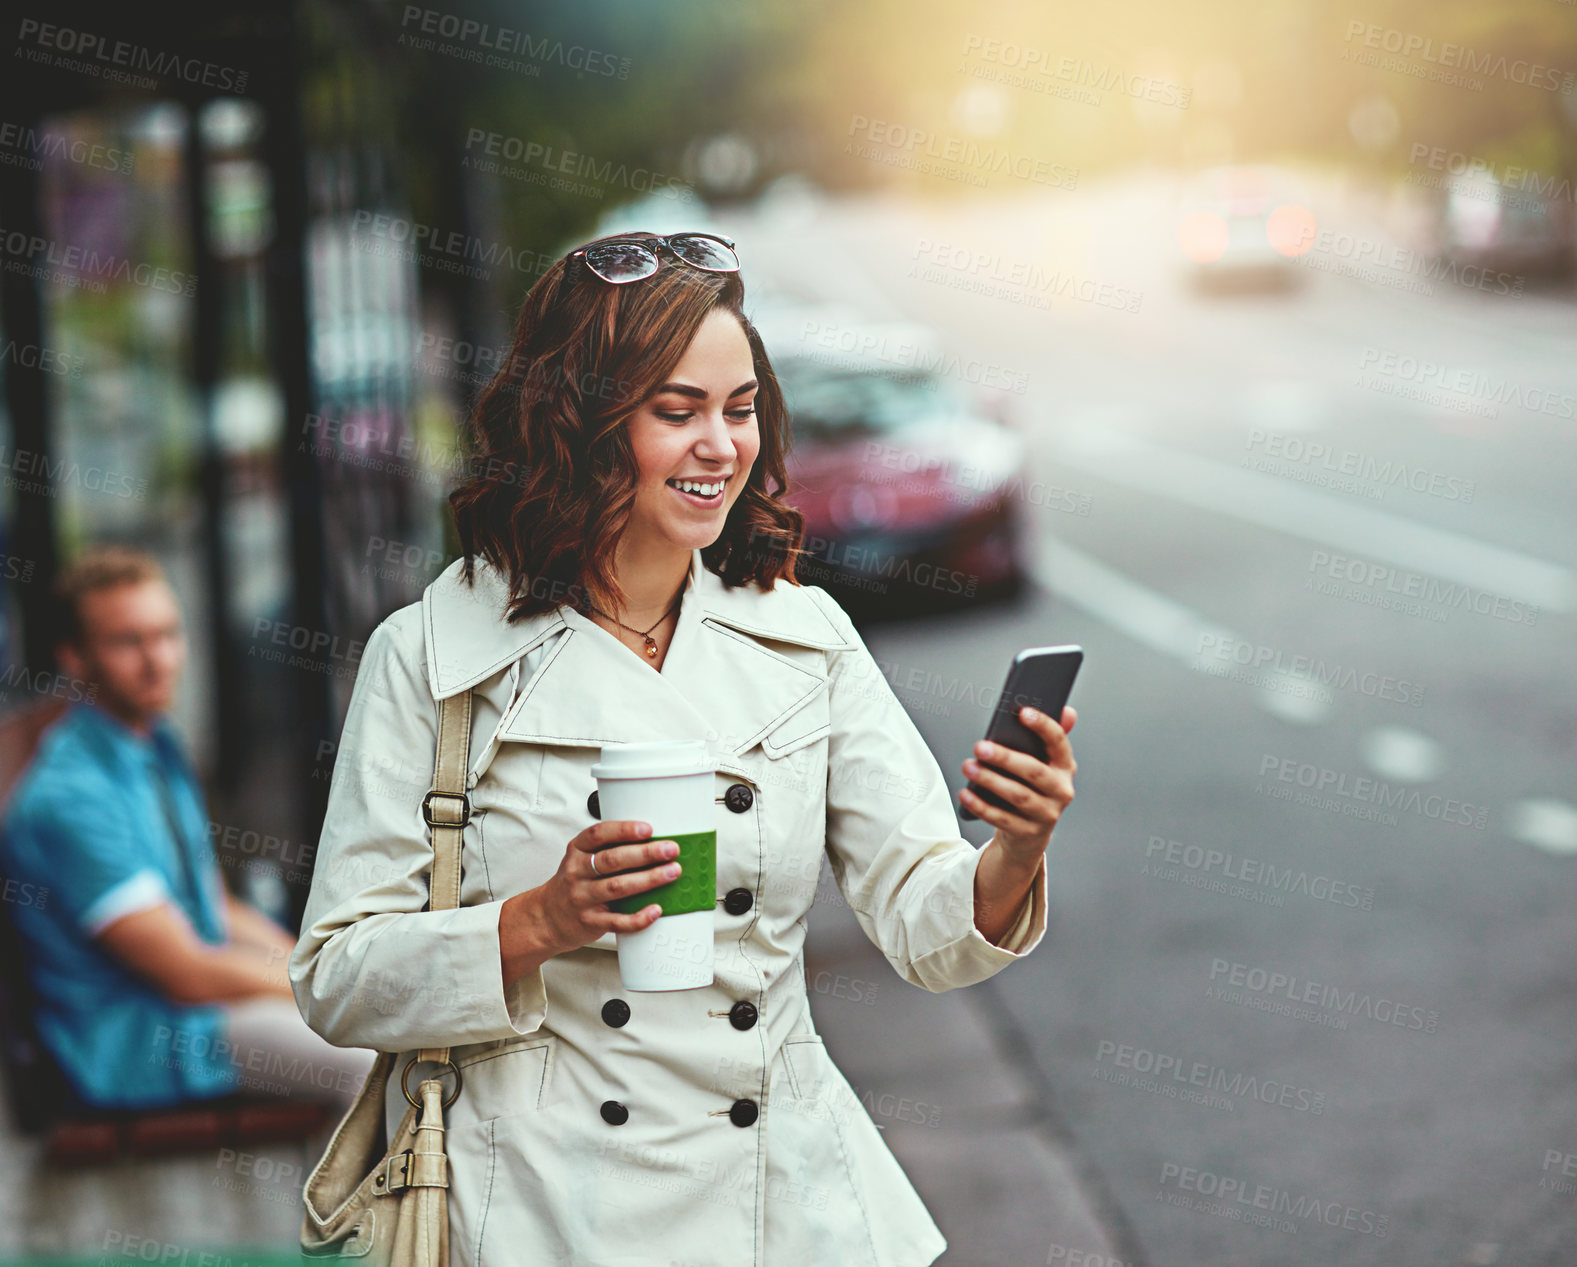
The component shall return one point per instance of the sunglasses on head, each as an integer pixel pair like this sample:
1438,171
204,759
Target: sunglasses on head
620,260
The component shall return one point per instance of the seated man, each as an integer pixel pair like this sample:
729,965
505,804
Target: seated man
153,985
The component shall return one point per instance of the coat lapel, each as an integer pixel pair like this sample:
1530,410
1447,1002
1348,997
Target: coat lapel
737,667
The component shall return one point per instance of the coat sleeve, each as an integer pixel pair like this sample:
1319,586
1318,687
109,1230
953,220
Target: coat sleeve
372,968
892,835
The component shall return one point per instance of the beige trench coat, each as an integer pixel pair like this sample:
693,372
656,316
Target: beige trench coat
814,756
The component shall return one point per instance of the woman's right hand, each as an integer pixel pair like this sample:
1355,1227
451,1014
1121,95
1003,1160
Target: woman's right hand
571,909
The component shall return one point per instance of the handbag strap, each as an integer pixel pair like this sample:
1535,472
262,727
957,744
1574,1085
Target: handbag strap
447,809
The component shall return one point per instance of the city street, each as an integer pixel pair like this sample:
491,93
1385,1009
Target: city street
1306,993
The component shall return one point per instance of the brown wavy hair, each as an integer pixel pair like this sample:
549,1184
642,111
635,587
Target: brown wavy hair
554,473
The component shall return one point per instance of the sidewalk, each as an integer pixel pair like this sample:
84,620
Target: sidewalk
966,1120
936,1072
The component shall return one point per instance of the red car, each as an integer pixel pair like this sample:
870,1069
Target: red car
910,492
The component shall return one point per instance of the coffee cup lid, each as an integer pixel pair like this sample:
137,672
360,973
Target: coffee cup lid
654,760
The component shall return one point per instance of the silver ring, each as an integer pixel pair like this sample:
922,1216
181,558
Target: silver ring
594,862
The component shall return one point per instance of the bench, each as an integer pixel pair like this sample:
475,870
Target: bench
41,1099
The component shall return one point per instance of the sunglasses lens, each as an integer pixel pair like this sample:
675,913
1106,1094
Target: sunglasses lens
621,261
706,253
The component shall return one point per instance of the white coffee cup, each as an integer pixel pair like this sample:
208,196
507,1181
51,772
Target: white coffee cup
670,784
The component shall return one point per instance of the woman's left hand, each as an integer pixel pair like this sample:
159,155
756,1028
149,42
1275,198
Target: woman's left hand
1024,831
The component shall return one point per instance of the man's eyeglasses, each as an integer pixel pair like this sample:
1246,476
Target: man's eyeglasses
620,260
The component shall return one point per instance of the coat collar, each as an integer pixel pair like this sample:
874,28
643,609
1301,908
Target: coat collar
591,689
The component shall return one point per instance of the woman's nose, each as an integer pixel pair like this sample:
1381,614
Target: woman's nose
714,441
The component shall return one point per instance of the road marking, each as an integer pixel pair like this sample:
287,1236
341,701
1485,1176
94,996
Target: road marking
1158,622
1286,508
1544,822
1402,755
1288,404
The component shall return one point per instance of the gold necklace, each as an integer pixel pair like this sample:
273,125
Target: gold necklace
651,643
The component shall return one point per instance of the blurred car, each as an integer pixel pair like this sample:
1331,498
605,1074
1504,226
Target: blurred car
1242,228
1488,225
910,489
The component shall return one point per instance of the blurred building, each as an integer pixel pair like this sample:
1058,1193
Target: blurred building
211,318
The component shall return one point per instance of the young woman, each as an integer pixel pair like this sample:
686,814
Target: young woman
628,576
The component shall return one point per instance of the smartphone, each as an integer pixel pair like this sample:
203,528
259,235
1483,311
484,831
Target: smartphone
1040,677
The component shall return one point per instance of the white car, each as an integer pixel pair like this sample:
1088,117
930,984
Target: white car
1244,227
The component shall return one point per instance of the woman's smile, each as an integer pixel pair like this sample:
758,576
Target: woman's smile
704,493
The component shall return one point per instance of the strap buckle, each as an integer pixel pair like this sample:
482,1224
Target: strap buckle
389,1182
447,821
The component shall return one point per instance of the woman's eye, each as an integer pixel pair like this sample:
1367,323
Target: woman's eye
741,414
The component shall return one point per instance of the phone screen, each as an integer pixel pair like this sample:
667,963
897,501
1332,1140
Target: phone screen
1042,678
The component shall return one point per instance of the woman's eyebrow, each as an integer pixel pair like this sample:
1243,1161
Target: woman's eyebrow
699,393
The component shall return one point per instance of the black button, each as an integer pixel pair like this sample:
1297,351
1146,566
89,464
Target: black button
615,1012
739,797
737,901
742,1015
742,1113
615,1114
593,806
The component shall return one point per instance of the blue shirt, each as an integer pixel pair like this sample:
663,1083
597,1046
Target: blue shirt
90,828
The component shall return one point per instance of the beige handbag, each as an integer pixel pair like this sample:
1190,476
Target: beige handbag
392,1210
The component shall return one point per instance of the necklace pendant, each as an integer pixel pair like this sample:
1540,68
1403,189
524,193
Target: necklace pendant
651,646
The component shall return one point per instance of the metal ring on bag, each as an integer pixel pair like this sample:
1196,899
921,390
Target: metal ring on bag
405,1082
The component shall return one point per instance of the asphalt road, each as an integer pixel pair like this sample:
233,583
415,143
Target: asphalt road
1293,1012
